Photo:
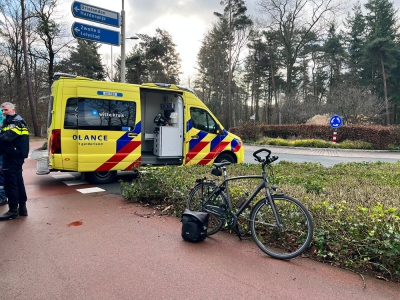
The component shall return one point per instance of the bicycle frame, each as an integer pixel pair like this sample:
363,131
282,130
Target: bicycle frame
262,185
266,222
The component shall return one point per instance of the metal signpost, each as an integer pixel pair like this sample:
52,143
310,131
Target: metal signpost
95,14
96,34
335,122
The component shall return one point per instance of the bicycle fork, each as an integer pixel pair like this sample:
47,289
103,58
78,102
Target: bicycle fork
269,201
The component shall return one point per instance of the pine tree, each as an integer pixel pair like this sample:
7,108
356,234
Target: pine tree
381,49
334,55
84,60
212,60
154,60
356,42
238,26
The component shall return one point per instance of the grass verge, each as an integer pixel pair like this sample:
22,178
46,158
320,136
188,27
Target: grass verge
355,206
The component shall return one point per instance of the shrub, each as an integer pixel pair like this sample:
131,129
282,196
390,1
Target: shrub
368,137
248,131
355,206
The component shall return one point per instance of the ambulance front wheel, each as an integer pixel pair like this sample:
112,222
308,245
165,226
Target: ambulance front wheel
225,157
101,176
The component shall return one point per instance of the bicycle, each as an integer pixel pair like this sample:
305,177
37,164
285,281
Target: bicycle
280,225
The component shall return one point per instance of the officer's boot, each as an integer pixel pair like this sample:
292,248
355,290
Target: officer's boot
11,214
22,210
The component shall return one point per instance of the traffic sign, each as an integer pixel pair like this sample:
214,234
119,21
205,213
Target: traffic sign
96,34
336,121
95,14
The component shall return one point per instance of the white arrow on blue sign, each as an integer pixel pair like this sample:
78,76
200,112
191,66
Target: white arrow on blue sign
336,121
96,34
95,14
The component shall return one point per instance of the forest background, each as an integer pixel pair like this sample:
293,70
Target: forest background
299,59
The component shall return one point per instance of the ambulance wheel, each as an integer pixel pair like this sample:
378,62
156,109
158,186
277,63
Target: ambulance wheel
101,176
224,157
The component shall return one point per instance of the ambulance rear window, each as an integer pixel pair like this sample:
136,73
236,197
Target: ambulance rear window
100,114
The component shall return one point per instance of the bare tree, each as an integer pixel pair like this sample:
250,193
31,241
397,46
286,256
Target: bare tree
32,104
352,101
297,22
53,34
12,58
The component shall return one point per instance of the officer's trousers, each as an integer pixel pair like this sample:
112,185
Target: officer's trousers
14,186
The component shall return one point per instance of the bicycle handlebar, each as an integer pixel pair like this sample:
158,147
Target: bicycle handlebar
268,158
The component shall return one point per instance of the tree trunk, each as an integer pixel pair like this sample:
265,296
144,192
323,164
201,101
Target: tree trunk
27,74
274,86
385,92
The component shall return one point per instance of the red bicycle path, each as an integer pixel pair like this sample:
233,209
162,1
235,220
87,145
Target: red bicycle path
126,251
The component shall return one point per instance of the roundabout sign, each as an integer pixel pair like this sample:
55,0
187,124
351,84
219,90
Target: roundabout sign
336,121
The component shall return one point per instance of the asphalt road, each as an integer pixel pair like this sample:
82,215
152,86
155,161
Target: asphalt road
78,245
325,156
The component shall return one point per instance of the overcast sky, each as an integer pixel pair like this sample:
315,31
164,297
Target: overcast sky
186,21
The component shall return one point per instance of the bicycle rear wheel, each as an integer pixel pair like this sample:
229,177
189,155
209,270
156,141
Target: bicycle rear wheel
199,197
289,241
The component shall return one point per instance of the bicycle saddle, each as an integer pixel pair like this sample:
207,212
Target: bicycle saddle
221,164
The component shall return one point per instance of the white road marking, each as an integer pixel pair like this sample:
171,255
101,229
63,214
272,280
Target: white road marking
63,176
91,190
74,182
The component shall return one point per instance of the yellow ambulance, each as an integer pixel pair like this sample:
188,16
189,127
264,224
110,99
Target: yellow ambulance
98,128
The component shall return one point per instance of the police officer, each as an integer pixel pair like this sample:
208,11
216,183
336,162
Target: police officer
14,146
3,196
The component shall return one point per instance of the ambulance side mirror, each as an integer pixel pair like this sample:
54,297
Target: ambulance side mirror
217,129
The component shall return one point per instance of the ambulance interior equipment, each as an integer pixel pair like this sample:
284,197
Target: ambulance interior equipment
163,134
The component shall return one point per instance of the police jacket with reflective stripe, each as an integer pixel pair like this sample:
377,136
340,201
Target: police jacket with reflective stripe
14,141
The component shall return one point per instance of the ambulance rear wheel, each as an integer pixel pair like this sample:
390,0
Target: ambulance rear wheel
225,157
101,176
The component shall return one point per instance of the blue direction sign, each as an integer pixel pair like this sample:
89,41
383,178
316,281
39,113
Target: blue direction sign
96,34
95,14
336,121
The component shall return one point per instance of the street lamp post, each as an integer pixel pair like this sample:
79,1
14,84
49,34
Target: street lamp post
123,42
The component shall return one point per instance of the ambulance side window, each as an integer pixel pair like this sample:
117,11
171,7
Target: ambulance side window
49,110
202,120
71,114
99,114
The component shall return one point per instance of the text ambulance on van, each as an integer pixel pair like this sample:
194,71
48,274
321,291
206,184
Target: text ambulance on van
98,128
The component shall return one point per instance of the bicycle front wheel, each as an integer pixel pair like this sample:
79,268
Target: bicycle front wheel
199,197
285,242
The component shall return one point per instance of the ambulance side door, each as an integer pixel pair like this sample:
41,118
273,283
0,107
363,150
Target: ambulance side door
109,132
203,142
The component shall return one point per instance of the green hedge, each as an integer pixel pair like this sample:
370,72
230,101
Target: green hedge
380,137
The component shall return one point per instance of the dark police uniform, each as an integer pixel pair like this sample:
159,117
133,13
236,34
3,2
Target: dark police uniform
14,146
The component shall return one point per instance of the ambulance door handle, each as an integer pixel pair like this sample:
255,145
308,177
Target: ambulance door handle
132,134
195,136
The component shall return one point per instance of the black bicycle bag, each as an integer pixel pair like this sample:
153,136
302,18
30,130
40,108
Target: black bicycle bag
194,225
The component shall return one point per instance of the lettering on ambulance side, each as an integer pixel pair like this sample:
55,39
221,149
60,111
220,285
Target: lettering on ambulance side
215,145
125,145
91,137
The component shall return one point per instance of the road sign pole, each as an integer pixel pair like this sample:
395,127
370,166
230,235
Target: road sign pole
123,43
